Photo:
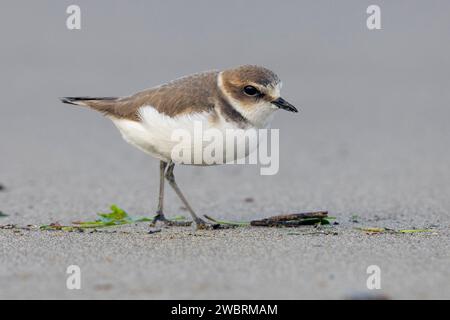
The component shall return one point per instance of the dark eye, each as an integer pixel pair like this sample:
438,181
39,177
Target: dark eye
251,91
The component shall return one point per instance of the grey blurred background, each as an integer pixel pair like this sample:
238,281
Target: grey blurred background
371,138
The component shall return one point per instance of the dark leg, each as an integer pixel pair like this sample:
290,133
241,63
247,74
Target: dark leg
171,178
160,213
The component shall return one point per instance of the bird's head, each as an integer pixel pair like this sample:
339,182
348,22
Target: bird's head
254,91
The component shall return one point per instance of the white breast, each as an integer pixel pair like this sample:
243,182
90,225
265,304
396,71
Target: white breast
154,134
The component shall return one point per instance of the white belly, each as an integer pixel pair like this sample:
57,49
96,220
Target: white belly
160,136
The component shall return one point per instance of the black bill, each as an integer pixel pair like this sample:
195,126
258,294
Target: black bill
283,104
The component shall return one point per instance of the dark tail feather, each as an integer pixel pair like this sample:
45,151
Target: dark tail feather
84,101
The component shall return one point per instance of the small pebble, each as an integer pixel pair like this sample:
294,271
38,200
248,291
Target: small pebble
152,231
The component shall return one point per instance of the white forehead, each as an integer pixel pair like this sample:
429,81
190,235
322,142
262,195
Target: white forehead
275,90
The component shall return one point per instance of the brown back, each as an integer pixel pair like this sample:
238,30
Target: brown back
195,93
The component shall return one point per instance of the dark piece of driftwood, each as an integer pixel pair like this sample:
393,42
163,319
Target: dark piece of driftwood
291,220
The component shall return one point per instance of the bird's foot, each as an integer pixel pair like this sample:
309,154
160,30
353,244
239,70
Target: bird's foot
167,222
203,225
198,223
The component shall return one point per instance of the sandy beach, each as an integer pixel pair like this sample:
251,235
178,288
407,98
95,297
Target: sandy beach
370,145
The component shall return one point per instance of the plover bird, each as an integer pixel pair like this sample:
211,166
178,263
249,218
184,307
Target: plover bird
244,97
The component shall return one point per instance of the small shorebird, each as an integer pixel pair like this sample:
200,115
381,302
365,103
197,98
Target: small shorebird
239,98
